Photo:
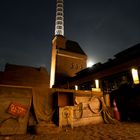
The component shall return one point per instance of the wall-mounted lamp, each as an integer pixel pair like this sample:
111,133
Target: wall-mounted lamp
76,87
96,83
135,76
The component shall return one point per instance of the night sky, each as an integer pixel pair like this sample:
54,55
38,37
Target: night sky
101,27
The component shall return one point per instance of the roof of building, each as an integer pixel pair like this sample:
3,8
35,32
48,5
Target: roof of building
127,55
24,75
130,52
73,46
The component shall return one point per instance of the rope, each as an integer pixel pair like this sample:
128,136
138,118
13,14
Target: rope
78,108
15,129
89,105
107,117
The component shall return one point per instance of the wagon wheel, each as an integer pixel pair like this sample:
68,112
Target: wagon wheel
95,105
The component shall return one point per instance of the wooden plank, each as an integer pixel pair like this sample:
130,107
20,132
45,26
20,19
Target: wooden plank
88,120
85,93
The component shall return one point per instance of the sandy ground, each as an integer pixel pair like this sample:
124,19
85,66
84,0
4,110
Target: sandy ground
121,131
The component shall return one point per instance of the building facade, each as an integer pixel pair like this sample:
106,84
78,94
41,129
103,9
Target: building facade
110,74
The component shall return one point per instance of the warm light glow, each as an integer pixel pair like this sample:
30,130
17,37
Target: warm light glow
96,89
135,76
52,77
96,83
76,87
90,63
53,65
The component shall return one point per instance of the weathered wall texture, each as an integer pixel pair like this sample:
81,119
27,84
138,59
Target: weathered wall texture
24,76
16,84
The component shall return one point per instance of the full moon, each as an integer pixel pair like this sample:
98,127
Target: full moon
90,63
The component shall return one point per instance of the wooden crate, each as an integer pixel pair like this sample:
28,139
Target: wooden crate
66,116
86,111
62,99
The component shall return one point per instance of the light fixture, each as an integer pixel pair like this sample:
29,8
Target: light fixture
135,76
76,87
96,83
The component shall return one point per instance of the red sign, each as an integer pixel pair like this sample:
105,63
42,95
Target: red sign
17,109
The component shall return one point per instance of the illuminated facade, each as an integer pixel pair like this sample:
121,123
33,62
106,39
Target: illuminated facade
67,59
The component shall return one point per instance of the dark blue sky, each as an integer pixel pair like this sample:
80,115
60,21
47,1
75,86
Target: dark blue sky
101,27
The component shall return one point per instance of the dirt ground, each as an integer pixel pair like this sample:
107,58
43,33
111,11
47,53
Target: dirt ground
120,131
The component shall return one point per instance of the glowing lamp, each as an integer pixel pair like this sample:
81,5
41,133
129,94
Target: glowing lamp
97,83
135,76
76,87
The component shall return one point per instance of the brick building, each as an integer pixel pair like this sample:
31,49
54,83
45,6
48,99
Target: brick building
67,59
